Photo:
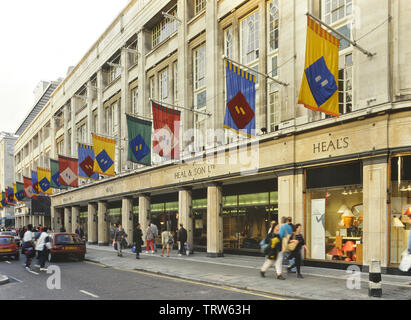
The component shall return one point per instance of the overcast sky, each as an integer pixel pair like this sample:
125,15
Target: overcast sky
39,40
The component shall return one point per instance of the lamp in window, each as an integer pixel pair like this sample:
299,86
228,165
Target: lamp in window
404,188
336,253
342,209
348,218
345,192
408,212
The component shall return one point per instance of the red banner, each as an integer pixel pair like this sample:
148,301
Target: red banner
28,188
68,168
166,124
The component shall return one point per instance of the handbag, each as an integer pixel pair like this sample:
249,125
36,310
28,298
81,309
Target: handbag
284,243
115,246
133,249
170,240
405,264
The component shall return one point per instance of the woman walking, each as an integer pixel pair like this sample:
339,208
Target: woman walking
273,253
139,240
167,241
150,239
297,254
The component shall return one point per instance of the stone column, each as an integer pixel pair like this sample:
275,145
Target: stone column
66,115
35,221
125,107
291,196
103,236
75,102
127,218
90,91
92,223
185,206
100,107
214,221
375,232
75,217
144,212
67,219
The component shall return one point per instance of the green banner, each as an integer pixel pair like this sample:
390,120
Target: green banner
139,140
55,173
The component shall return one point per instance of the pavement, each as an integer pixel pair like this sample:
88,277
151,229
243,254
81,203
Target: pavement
3,279
242,272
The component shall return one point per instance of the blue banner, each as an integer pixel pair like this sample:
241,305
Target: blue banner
240,109
86,162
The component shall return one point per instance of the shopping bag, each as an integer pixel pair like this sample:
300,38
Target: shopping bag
133,249
115,246
405,264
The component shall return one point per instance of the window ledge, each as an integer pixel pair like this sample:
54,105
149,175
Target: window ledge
196,17
161,43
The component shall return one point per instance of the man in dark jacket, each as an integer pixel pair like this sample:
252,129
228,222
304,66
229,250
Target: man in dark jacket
119,238
182,238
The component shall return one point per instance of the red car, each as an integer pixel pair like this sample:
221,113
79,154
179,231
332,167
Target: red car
66,245
9,247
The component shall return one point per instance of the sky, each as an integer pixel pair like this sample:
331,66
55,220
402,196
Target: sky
40,40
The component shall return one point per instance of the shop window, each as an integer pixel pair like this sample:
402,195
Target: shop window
114,219
400,202
200,222
334,213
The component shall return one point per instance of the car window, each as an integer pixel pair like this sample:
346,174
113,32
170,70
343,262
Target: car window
67,239
8,233
6,240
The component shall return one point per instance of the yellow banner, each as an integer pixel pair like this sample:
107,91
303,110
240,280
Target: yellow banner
44,179
104,153
319,87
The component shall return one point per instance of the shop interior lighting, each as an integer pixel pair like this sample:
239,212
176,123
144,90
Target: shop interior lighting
345,192
403,189
342,209
350,192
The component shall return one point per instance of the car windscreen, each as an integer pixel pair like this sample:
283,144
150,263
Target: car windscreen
67,239
6,240
7,233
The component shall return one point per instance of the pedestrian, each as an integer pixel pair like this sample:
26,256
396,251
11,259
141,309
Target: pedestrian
28,245
120,238
167,242
272,225
40,229
42,247
297,254
138,240
273,253
285,232
182,238
291,261
155,231
80,232
149,237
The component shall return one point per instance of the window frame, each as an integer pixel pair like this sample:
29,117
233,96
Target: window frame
256,41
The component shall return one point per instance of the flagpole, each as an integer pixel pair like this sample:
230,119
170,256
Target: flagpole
260,73
341,35
175,106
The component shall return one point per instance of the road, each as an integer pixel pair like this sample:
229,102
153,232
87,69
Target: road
92,281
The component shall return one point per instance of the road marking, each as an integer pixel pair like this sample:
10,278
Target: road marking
15,279
88,293
33,272
203,284
8,262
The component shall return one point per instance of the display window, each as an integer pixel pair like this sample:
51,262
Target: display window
334,213
200,222
114,219
247,216
165,216
400,169
84,222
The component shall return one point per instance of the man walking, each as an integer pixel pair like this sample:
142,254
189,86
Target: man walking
182,238
119,238
43,244
80,232
28,246
155,232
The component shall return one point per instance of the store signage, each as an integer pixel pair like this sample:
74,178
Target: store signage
331,145
194,172
318,229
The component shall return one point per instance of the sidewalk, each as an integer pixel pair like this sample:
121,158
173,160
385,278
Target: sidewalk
243,272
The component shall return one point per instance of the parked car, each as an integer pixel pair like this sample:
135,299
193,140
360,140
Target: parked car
12,233
8,247
66,245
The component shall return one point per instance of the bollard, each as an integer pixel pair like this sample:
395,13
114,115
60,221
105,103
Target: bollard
375,289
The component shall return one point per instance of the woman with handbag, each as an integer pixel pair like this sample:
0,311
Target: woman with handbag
296,253
273,253
167,242
139,240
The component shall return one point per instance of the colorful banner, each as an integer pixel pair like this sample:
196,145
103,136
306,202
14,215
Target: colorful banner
4,200
35,183
319,89
10,196
19,191
139,140
68,168
55,174
44,178
166,123
240,109
86,162
28,188
104,153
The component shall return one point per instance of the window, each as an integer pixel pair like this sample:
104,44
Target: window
111,120
114,72
228,42
82,133
345,86
175,68
199,67
60,147
163,84
164,29
274,66
95,123
249,38
273,25
335,10
274,110
199,5
134,102
152,87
